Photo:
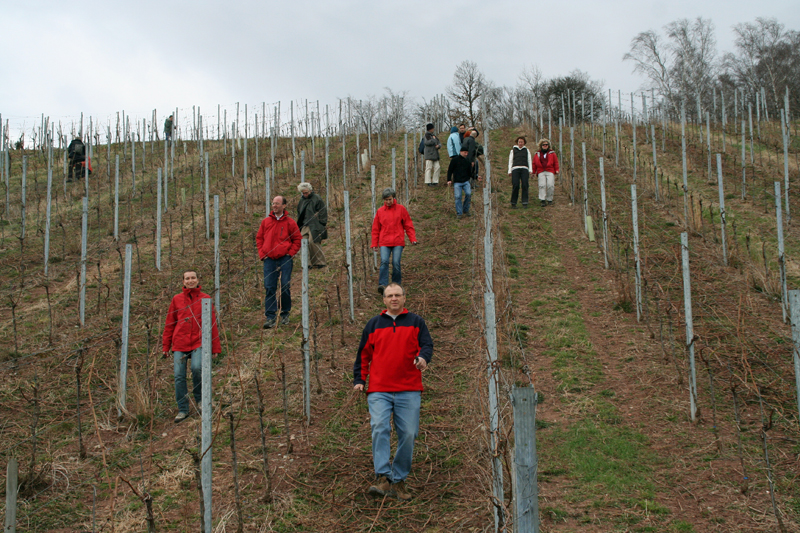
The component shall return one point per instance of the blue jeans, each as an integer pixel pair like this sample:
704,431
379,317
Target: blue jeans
395,252
181,392
405,406
467,190
273,269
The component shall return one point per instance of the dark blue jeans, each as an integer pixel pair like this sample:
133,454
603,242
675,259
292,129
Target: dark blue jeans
393,254
274,269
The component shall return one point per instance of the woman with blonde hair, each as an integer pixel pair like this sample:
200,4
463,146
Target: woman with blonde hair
545,166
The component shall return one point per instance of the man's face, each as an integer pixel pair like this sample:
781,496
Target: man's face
462,128
464,153
388,201
278,205
190,280
394,299
306,194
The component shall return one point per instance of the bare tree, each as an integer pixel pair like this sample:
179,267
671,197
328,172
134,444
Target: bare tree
651,57
469,85
693,48
767,57
682,65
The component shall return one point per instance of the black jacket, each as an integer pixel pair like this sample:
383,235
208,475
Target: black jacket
459,170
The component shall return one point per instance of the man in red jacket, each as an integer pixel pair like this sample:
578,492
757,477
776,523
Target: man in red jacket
182,335
391,223
545,166
278,239
395,349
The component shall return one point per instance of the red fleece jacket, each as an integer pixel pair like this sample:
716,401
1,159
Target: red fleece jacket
184,324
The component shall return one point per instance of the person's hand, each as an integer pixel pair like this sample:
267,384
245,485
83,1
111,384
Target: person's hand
420,363
449,183
415,242
165,355
374,247
509,173
359,387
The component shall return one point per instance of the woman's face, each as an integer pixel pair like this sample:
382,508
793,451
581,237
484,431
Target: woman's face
520,142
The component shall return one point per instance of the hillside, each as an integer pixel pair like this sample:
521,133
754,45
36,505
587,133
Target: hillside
617,449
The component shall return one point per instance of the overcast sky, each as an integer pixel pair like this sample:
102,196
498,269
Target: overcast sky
100,57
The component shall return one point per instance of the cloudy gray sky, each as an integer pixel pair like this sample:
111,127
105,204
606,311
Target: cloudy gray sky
62,58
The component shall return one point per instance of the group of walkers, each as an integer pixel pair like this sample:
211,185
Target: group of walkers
396,345
466,157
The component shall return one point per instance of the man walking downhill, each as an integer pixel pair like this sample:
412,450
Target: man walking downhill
278,239
458,175
431,157
183,330
395,349
392,223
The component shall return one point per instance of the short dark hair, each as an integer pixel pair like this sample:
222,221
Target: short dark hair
429,127
462,124
524,140
394,284
196,273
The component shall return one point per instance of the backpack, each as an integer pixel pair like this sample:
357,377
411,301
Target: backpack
421,148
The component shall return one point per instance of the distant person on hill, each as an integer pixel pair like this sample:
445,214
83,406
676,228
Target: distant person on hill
182,336
168,128
453,143
431,157
458,174
312,219
520,168
76,152
395,348
472,146
462,130
545,166
278,239
392,223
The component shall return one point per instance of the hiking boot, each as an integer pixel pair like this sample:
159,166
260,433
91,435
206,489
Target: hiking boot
544,203
400,491
380,488
269,324
549,202
180,417
458,216
524,206
285,320
381,288
513,206
467,214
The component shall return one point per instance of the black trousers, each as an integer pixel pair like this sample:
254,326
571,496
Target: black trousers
519,176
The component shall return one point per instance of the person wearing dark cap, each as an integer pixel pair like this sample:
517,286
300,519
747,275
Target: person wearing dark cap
431,157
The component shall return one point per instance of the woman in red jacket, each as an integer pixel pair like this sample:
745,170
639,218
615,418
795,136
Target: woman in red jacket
182,336
391,223
545,165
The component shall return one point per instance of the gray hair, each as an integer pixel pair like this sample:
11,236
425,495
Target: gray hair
388,192
305,186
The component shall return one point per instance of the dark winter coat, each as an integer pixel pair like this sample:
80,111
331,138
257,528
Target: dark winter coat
459,171
312,212
432,146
